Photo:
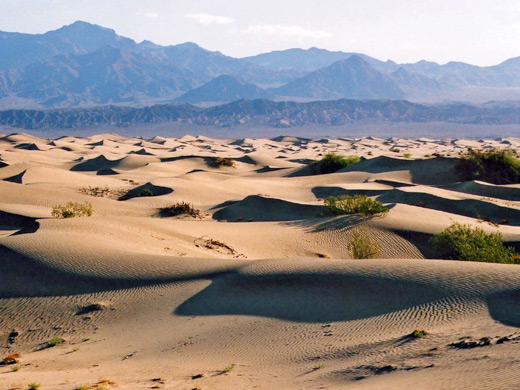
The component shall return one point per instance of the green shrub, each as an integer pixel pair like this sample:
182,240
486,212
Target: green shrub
227,369
362,246
33,386
55,341
72,209
332,162
407,155
180,208
497,166
359,204
419,333
146,192
462,242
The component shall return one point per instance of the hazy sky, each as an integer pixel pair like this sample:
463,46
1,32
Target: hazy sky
480,32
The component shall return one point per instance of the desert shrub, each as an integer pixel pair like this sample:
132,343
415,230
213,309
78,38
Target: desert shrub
218,162
394,150
10,359
180,208
55,341
362,246
227,369
72,209
462,242
359,204
419,333
497,166
407,155
332,162
33,386
146,192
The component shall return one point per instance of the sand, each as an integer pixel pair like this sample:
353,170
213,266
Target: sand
258,291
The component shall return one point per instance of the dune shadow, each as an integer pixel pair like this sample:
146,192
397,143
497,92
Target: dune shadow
21,223
313,297
323,192
23,276
505,307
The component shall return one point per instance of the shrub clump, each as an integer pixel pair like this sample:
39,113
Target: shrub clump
223,162
180,208
419,333
362,246
332,162
462,242
497,166
55,341
359,204
72,209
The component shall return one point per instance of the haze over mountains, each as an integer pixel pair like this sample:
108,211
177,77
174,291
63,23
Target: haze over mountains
83,65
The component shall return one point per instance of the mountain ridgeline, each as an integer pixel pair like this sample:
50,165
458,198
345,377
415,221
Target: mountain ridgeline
85,65
265,113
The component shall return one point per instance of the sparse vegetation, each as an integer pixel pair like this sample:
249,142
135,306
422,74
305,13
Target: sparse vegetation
358,204
362,246
318,366
227,369
394,150
102,192
218,162
419,333
497,166
332,162
462,242
33,386
407,155
10,359
180,208
146,192
72,209
15,368
55,341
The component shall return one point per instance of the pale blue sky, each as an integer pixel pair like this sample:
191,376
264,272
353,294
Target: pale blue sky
480,32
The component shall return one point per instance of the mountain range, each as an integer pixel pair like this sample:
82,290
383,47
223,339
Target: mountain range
266,113
85,65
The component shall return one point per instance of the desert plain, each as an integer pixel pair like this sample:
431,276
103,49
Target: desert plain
258,291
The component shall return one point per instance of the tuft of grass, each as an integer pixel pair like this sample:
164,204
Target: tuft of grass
332,162
72,209
33,386
55,341
362,246
218,162
180,208
462,242
318,366
419,333
227,369
407,155
358,204
497,166
15,368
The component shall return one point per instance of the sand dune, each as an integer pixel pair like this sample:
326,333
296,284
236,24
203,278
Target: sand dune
257,281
